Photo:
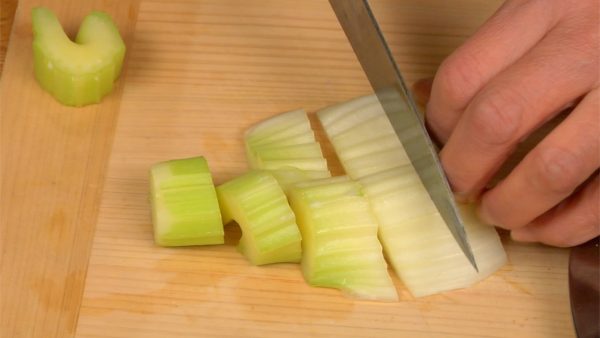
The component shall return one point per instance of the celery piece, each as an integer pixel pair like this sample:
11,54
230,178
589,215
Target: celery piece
185,210
363,137
339,239
285,142
258,204
288,176
280,126
416,240
81,72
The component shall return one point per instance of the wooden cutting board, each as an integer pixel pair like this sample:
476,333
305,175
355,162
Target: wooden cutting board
76,242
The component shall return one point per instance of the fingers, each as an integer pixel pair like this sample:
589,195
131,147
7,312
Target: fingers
513,104
575,221
550,172
514,29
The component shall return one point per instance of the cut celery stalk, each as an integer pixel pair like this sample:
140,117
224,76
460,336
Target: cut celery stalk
277,123
300,150
286,142
185,210
339,239
313,163
417,242
339,117
364,140
288,176
258,204
81,72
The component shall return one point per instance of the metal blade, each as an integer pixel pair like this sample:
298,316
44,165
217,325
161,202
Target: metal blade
363,32
584,288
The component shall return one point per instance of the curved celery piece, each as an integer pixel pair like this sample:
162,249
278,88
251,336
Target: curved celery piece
339,239
285,145
81,72
185,210
269,231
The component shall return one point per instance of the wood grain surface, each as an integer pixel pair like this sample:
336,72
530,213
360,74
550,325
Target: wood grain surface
7,15
53,161
198,74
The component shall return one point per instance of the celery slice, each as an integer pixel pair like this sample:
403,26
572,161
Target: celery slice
185,210
258,204
81,72
284,144
417,241
339,239
300,150
287,176
415,238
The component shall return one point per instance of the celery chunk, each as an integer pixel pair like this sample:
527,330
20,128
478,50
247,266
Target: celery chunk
339,239
81,72
185,210
286,142
258,204
415,238
417,241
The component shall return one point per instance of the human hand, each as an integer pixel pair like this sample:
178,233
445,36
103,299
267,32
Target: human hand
529,61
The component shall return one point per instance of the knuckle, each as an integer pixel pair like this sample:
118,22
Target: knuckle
556,170
496,118
459,78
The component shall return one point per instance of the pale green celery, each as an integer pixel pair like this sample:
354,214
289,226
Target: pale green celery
304,156
301,150
363,131
290,136
287,176
252,151
313,163
279,126
185,210
258,204
373,163
283,144
417,241
81,72
339,239
340,116
415,238
367,146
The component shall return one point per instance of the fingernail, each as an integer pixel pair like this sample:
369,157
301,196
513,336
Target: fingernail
522,235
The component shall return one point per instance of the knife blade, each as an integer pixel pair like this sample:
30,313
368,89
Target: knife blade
584,288
373,53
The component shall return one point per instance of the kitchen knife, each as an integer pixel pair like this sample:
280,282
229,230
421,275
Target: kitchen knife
362,30
584,288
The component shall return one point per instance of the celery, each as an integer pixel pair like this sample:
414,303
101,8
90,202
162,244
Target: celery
417,241
258,204
81,72
284,144
415,238
185,210
339,239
